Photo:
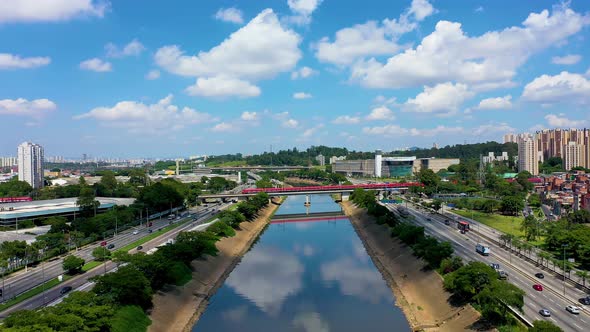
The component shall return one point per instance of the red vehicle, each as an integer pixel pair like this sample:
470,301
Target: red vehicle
103,243
538,287
150,224
463,226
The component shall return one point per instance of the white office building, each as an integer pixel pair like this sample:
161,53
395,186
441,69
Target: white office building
30,164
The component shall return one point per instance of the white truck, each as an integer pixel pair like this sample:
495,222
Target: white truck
482,250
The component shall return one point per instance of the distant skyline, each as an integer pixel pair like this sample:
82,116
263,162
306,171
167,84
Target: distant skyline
181,77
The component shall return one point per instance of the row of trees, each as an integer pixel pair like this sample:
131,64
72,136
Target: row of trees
475,282
119,300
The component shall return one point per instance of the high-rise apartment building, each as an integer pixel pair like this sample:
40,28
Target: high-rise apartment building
555,142
30,164
528,158
321,159
571,155
7,161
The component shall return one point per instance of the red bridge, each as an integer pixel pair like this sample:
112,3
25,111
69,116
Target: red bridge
351,187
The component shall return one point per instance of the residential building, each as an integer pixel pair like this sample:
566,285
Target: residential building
571,155
8,161
321,159
528,159
334,159
491,157
30,164
555,142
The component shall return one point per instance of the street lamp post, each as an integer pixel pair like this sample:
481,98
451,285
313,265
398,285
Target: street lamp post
564,246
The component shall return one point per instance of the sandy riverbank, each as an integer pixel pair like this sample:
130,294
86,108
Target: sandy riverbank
420,294
178,308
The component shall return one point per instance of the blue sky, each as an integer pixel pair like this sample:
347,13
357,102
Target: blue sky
176,78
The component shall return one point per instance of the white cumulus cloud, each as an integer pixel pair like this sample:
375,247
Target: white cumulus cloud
259,50
249,116
302,95
303,72
560,121
290,123
346,119
380,113
34,108
232,15
570,59
371,38
495,103
302,10
396,131
50,10
10,61
153,74
222,86
133,48
564,87
96,64
223,127
488,61
155,118
444,98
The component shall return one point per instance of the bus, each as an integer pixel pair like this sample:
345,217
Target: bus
463,226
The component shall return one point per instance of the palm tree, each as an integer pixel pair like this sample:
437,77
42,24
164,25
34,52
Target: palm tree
583,276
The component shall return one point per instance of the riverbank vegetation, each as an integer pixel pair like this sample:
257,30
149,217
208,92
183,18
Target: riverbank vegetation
475,282
127,293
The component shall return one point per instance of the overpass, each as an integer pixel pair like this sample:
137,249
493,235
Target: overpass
311,190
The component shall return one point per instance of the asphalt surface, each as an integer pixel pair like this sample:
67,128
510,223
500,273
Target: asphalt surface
521,272
50,270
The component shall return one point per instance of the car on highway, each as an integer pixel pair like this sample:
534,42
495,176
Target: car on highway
135,232
573,309
545,313
495,266
103,243
538,287
139,247
585,300
447,222
149,231
539,275
65,290
428,219
110,246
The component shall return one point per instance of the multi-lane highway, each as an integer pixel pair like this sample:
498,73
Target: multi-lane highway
521,272
36,276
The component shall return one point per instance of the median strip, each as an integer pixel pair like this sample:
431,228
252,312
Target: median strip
33,292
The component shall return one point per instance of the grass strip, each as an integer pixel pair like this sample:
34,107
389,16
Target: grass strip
33,292
90,265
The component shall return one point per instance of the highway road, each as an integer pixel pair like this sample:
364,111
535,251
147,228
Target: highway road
521,273
78,281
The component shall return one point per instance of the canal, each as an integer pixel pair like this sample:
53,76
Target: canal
312,276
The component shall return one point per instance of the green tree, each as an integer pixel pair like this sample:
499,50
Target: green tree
101,254
579,217
450,264
544,326
531,227
15,188
87,201
494,298
470,280
429,179
436,204
511,205
72,264
126,286
583,275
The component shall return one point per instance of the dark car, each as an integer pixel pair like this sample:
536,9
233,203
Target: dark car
139,247
150,231
539,275
447,222
110,246
65,289
585,300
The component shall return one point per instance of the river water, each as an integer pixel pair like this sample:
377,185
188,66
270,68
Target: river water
312,276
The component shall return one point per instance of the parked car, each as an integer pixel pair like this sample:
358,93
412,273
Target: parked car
538,287
539,275
139,247
573,309
545,313
585,300
110,246
65,290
